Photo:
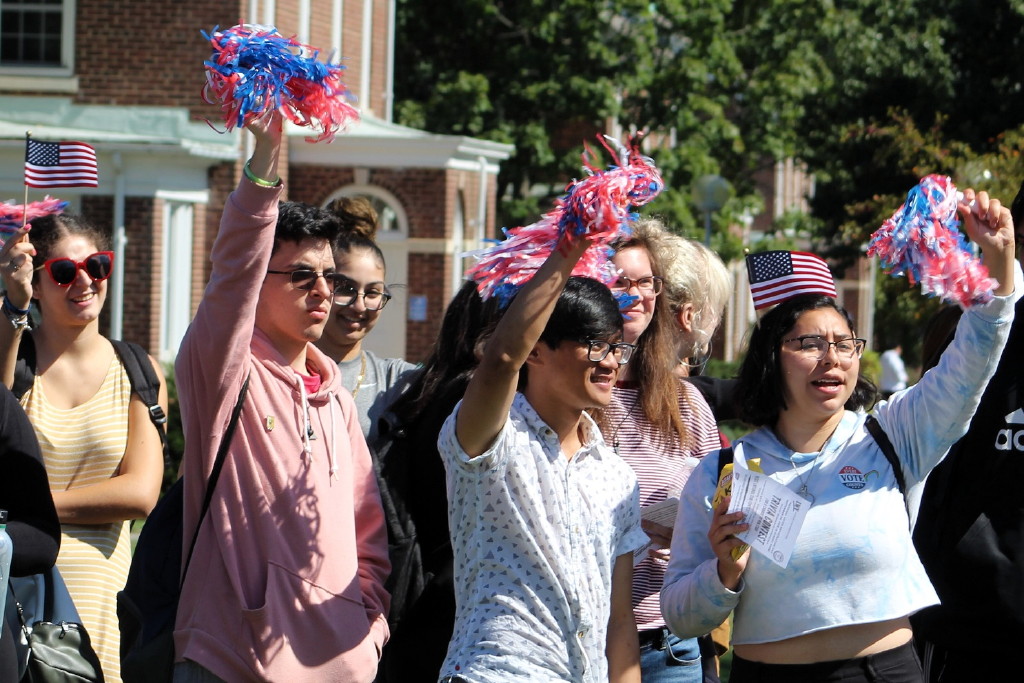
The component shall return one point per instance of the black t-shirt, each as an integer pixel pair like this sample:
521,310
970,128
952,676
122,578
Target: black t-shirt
25,494
970,530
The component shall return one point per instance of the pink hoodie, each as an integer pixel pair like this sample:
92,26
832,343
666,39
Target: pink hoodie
287,579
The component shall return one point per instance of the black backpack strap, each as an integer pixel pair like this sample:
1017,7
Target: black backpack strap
145,384
882,439
218,465
724,458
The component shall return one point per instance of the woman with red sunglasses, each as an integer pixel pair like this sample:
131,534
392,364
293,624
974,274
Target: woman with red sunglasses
101,450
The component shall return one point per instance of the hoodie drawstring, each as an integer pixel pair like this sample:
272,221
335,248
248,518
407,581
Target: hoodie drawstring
307,427
334,436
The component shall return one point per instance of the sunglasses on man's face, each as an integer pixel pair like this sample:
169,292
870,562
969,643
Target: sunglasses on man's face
63,271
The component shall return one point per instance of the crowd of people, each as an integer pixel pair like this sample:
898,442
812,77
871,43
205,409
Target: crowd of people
534,500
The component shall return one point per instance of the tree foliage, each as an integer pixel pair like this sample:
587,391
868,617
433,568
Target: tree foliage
869,94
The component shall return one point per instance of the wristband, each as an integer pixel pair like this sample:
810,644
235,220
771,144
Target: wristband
19,321
262,182
12,308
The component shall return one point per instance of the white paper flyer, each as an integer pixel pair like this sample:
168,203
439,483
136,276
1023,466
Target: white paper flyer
775,514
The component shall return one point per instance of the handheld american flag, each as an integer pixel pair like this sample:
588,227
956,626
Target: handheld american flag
779,275
60,164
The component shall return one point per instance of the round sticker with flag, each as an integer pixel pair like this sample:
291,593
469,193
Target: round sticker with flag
779,275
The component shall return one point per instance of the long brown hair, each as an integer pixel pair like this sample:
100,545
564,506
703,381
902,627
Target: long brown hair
652,364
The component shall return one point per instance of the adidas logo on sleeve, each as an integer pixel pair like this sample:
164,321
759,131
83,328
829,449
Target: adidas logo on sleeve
1010,439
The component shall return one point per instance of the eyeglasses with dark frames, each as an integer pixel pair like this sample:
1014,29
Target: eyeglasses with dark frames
650,285
305,278
63,270
816,347
374,299
598,350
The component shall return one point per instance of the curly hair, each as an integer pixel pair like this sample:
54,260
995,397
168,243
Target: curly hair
297,221
759,394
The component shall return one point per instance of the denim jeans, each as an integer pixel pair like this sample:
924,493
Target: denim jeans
669,659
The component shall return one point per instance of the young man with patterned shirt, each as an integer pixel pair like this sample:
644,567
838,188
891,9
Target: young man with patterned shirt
544,517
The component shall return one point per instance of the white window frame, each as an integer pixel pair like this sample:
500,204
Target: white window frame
176,274
13,76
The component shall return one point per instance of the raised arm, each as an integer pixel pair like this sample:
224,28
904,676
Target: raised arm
492,388
16,267
928,418
989,224
213,360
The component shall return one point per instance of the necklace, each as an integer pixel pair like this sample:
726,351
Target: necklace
362,374
615,432
802,491
804,483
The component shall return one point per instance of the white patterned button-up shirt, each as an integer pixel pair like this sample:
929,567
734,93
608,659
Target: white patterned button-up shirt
535,536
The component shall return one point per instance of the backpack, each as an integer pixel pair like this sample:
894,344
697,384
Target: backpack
148,606
407,579
144,382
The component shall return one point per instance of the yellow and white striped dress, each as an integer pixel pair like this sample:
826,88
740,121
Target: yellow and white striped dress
82,446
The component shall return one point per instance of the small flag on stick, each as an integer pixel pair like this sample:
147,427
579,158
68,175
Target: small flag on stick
779,275
60,164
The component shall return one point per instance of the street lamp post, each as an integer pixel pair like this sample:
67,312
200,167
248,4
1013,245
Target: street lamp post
710,193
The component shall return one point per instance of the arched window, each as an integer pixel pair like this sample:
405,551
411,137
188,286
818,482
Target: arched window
392,222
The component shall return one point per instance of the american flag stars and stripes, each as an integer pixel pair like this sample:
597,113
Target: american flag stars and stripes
779,275
60,164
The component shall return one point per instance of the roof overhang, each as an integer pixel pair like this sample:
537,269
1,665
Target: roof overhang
114,128
374,143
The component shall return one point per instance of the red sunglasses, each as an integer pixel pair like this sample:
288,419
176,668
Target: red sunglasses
63,271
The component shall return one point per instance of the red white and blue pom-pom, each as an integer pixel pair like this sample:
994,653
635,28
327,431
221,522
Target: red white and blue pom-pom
254,69
13,216
921,240
597,207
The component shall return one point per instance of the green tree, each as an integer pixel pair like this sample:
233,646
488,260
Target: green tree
548,76
869,94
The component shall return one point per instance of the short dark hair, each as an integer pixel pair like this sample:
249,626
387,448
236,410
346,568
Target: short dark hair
297,221
760,392
586,309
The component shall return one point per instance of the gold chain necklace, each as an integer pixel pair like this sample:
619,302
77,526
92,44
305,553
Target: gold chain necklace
362,374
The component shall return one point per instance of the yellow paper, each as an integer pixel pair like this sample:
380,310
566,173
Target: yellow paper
725,488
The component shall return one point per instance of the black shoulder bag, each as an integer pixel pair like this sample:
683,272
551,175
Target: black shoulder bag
148,605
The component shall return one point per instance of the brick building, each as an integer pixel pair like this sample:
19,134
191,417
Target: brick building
126,76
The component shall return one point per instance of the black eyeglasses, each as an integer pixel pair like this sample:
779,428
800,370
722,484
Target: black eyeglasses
305,279
647,286
816,347
598,350
374,299
63,271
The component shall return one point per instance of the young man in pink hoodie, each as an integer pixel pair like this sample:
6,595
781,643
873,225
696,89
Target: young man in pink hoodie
286,582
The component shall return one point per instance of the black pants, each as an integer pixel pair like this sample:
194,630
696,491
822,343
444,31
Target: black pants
899,665
965,665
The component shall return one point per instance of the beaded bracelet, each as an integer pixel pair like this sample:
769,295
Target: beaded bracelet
257,180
